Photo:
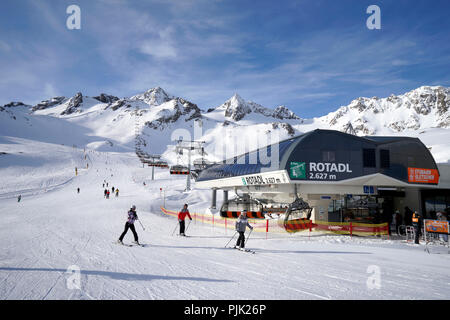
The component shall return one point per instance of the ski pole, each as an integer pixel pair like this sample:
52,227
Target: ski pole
141,224
175,229
188,225
248,236
230,239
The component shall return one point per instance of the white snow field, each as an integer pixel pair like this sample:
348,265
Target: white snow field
53,230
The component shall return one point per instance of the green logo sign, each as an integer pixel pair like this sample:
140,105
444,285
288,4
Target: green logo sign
244,182
297,170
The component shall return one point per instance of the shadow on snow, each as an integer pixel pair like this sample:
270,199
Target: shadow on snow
117,275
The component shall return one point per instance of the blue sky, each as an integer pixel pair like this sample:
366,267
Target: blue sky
312,56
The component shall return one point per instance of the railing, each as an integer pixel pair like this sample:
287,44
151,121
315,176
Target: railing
292,226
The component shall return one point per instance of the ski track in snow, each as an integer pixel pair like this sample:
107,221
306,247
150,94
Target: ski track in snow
53,228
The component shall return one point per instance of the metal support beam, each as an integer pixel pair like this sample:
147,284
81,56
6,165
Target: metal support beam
214,199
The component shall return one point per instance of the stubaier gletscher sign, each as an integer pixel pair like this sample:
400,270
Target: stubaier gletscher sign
420,175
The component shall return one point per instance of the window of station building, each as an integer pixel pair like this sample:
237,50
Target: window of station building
328,156
385,161
369,160
435,204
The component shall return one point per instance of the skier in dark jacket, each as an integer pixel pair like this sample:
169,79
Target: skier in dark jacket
241,225
181,216
132,217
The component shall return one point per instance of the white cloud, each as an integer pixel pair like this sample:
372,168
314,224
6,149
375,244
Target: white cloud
158,50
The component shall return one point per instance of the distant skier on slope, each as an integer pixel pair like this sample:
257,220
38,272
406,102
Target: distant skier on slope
78,190
181,216
132,217
19,198
241,225
117,193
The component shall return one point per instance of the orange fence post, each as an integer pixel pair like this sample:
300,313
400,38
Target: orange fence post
267,227
351,230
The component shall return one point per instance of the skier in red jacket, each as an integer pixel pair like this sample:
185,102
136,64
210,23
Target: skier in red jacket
181,216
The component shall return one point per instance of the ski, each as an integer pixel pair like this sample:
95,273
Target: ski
122,244
139,245
131,245
243,250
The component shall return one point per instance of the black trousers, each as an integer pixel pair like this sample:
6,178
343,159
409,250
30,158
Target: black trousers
182,226
416,234
131,227
241,240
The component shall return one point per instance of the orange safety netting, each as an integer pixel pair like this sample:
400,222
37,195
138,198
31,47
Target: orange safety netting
291,226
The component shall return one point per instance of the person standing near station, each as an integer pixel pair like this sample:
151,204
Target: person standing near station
395,222
441,217
181,216
241,225
417,224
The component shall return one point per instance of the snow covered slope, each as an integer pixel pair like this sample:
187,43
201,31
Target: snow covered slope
54,230
58,244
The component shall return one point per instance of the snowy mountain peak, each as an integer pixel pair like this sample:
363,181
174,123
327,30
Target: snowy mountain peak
424,107
154,96
237,108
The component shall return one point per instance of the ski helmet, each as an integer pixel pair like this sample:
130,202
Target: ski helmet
133,207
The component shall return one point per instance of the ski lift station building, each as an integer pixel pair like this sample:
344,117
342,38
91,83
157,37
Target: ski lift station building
343,177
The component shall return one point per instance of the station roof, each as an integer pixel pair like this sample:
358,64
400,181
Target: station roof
309,147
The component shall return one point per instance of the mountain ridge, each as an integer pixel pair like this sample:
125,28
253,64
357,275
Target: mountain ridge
149,119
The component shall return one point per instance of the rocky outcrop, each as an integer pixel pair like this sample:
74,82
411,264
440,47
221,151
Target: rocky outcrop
48,103
106,98
180,108
286,126
73,104
282,113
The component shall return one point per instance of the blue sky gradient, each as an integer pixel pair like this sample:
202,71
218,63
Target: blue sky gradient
312,56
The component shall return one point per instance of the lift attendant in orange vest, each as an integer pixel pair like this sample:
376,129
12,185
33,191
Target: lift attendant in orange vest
416,222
